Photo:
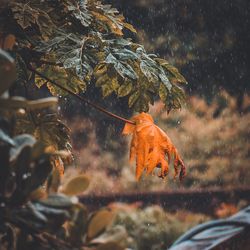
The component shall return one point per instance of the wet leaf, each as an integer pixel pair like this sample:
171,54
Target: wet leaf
107,90
150,146
177,76
133,98
163,92
125,89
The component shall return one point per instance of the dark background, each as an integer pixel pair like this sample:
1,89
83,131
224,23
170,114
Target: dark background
208,40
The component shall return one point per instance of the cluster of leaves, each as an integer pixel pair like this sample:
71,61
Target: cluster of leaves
36,117
82,41
33,213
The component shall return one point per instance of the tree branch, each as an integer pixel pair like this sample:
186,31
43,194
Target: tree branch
82,99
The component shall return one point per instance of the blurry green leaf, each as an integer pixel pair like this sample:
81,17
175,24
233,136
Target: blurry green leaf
130,27
142,105
7,71
31,14
24,14
178,78
6,138
102,80
21,141
76,185
58,201
46,128
125,89
98,222
163,92
133,98
106,90
100,69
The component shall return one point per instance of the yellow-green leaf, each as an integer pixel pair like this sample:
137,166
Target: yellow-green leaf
163,92
106,90
76,185
99,222
125,89
133,98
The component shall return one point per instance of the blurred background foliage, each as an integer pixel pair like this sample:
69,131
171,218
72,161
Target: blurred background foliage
213,139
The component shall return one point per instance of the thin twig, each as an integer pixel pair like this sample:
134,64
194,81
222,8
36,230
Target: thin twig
80,97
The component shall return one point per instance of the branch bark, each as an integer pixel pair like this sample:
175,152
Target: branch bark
82,99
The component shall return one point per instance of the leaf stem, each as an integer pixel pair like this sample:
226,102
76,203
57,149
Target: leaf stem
83,99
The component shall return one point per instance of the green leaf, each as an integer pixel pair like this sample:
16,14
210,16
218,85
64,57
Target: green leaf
58,201
80,12
107,90
178,78
165,81
46,128
163,92
31,14
133,98
24,14
100,70
64,77
125,89
148,71
124,70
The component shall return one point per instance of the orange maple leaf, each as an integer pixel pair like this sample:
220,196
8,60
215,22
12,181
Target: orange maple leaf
149,147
